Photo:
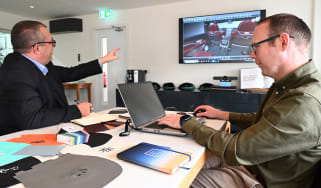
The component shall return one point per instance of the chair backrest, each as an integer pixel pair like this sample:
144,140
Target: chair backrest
247,26
317,179
213,28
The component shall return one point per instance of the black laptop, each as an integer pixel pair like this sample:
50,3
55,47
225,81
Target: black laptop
145,108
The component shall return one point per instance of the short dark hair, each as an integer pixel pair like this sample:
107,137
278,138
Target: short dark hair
290,24
26,33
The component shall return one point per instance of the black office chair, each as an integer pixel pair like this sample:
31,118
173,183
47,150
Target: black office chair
317,179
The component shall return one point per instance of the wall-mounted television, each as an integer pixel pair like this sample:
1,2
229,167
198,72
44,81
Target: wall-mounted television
219,38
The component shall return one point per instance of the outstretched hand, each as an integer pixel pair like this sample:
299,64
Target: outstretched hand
110,56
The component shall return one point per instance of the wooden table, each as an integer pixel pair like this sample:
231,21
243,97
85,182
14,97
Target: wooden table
77,86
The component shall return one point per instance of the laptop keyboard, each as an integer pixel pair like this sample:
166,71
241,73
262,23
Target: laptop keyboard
155,125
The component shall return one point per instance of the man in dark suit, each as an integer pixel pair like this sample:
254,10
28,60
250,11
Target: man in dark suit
31,86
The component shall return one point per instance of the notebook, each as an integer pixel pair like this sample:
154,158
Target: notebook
93,118
156,157
145,108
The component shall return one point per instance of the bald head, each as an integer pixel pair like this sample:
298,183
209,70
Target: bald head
26,33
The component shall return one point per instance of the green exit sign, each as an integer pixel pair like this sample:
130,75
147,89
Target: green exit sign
105,13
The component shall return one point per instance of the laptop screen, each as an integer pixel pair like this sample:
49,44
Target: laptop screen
142,102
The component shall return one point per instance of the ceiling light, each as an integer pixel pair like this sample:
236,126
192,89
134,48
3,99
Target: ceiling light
31,6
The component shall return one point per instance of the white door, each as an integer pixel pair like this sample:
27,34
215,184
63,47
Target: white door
104,94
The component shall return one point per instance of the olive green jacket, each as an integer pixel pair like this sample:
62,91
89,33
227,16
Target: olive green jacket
280,141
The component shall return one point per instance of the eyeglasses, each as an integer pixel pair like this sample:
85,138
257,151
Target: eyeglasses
53,42
254,45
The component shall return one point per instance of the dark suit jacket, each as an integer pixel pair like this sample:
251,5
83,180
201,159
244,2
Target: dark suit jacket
30,100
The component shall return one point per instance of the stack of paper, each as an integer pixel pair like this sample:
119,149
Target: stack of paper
73,138
253,78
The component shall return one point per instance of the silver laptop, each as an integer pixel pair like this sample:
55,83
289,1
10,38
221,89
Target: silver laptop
145,108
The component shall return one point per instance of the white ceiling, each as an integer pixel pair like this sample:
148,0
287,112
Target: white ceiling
49,9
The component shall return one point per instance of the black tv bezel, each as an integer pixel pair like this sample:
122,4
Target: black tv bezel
181,41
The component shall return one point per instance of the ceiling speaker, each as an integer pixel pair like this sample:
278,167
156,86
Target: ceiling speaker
65,25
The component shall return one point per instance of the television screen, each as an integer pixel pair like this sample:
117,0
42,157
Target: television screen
219,38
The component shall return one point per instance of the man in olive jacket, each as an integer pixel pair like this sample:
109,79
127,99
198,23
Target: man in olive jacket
280,144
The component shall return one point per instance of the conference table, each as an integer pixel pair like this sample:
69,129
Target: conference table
134,175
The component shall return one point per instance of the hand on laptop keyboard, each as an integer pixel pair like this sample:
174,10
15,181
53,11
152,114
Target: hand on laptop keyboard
172,120
155,125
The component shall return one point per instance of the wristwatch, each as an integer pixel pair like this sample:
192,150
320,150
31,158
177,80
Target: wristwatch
184,118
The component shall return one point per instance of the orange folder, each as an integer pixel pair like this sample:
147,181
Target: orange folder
37,139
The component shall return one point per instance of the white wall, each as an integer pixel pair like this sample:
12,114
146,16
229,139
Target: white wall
8,20
153,37
316,45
